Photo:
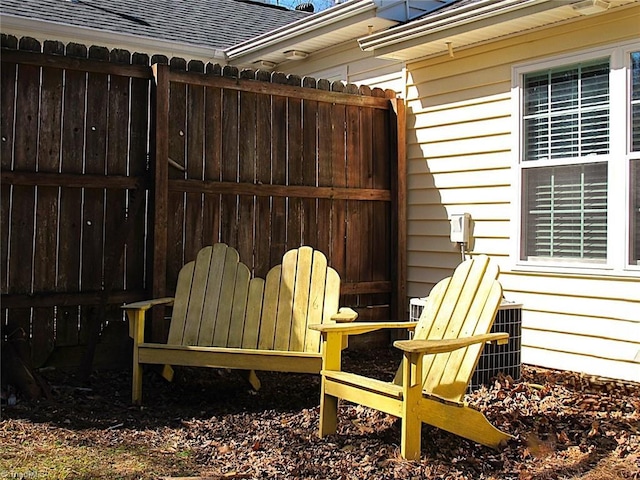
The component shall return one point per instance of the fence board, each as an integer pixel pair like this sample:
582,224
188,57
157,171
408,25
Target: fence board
338,179
117,161
263,177
194,125
213,162
138,134
93,205
177,129
229,168
247,125
278,172
324,173
46,225
294,165
309,167
354,170
73,131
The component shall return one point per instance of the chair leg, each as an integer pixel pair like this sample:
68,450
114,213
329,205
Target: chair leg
328,414
410,444
463,421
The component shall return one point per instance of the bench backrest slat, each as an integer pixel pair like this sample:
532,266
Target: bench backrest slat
218,304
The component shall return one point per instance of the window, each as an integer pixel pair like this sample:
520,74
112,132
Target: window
580,155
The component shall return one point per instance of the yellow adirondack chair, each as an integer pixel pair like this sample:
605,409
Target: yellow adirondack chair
437,365
222,318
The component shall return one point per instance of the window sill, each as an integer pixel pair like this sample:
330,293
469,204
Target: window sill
582,271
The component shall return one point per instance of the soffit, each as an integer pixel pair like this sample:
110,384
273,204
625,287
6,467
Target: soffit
317,39
435,42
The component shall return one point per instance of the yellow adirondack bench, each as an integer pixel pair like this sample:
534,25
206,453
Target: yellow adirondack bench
222,318
437,365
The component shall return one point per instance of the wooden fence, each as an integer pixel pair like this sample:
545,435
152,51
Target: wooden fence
115,173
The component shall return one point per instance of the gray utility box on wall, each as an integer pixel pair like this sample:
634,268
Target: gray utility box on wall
495,359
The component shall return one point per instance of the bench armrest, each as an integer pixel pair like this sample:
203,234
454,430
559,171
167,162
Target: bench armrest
345,315
357,328
448,345
147,304
136,315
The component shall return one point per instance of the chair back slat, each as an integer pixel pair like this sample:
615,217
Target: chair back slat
462,305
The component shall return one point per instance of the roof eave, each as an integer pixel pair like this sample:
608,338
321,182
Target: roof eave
316,24
440,25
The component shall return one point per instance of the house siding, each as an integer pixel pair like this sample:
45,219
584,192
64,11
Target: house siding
460,159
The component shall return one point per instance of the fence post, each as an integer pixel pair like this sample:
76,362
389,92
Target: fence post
399,196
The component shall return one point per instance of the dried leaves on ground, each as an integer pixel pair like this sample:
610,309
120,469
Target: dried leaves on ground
209,424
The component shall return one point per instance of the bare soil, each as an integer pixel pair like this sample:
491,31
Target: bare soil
210,424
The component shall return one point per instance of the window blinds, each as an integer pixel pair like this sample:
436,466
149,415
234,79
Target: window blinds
566,212
566,112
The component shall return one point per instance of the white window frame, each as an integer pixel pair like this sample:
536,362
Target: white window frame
618,209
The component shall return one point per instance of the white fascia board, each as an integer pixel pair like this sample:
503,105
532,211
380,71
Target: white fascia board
472,16
309,26
44,30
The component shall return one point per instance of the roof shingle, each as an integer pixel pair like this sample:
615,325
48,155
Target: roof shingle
208,23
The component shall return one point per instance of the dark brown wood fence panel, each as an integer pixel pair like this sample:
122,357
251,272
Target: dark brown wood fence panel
77,130
99,206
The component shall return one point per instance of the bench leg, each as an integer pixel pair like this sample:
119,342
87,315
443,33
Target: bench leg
167,373
136,387
253,379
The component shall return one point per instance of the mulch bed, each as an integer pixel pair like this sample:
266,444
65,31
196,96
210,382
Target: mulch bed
209,424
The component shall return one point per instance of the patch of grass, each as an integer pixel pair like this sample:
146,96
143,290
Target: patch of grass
54,458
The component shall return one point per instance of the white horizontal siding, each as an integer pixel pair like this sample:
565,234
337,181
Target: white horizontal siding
459,142
590,364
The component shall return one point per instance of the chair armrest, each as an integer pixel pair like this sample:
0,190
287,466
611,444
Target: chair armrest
357,328
345,315
147,304
448,345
